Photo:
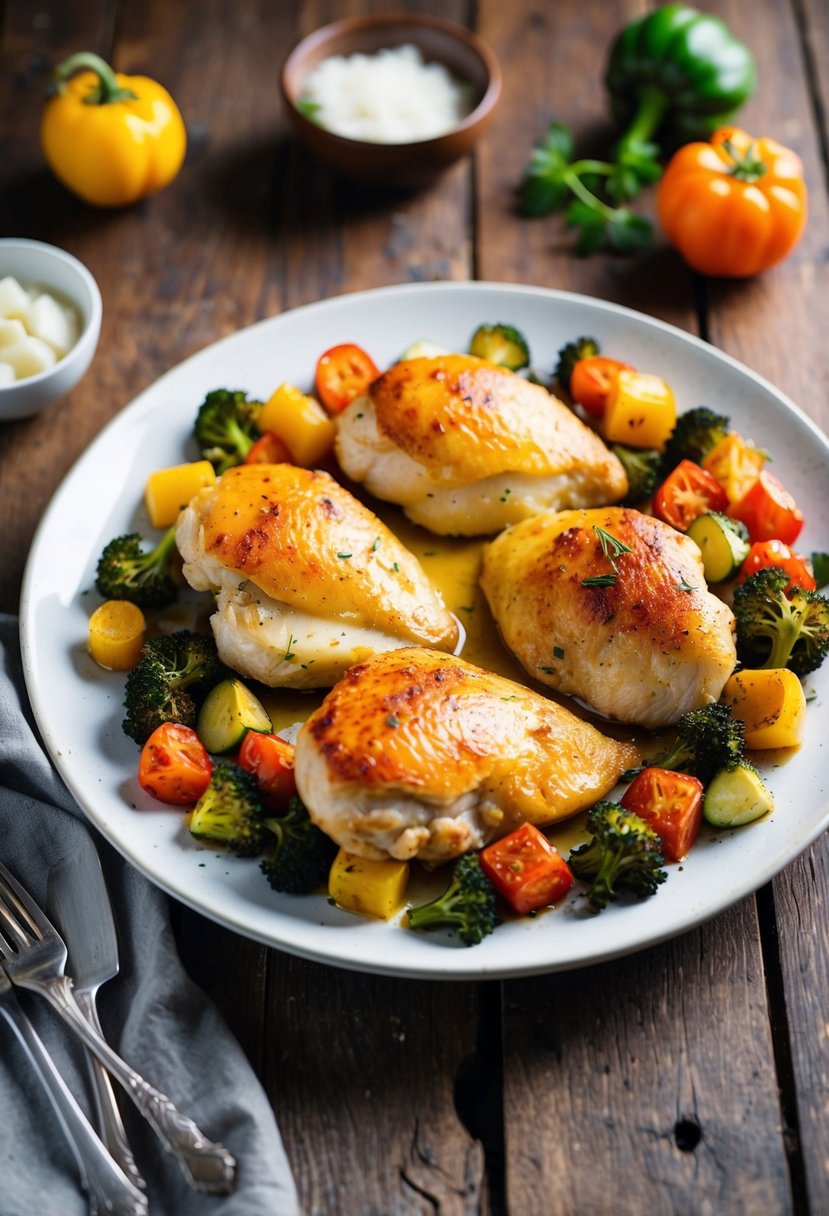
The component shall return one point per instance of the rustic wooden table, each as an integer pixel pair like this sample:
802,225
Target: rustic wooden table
690,1078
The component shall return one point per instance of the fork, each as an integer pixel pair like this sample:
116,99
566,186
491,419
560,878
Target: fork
108,1188
34,956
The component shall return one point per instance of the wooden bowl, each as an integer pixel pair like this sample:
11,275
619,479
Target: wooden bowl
408,165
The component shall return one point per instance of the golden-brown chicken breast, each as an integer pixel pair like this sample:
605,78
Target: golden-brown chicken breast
467,447
418,754
307,579
643,643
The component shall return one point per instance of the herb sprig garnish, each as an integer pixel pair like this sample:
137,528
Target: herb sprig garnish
612,548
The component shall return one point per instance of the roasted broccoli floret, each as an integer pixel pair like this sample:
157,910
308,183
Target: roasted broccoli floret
696,432
568,357
163,686
779,630
708,740
128,572
501,344
229,811
467,904
299,854
642,466
225,427
624,854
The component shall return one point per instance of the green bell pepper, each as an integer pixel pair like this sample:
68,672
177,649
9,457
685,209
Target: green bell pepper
679,72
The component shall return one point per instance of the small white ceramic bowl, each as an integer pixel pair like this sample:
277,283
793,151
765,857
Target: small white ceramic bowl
36,263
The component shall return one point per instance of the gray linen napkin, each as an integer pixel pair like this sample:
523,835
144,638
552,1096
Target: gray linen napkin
166,1027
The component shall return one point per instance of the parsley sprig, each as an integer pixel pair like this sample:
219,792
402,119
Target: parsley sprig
591,193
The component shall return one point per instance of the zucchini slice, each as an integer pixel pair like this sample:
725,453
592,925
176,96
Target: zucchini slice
228,712
723,543
735,797
501,344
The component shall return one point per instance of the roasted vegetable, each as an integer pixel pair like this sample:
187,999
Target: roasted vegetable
165,684
624,854
467,905
642,467
770,703
298,854
229,811
736,797
501,344
126,571
707,740
116,634
225,427
776,630
696,433
569,356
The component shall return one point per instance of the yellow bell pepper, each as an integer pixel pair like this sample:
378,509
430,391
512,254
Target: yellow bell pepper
735,464
640,410
111,139
300,422
772,705
167,491
370,888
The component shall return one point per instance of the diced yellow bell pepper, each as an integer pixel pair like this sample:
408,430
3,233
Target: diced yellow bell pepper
300,422
735,464
168,490
640,410
772,705
372,888
116,634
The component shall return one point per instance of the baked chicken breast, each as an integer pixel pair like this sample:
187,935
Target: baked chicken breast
467,447
307,580
415,753
645,643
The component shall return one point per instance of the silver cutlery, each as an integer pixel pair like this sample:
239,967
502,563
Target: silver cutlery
34,956
107,1187
76,893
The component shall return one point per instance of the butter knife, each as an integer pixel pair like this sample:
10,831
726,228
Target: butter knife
78,898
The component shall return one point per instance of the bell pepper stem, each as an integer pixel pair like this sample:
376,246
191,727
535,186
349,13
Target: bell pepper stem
653,103
107,90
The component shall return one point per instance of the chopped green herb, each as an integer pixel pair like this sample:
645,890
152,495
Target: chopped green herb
511,698
395,568
683,586
289,654
376,544
558,652
392,721
600,580
344,556
612,547
549,671
811,695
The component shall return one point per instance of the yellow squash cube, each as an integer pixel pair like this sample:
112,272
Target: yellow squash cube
300,422
372,888
640,411
116,635
772,705
168,490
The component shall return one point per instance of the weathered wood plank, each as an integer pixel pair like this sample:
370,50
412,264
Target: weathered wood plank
777,325
619,1091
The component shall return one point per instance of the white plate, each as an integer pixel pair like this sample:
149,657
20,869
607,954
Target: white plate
78,707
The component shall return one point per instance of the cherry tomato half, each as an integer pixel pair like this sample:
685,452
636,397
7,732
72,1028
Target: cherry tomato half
268,449
271,760
526,870
343,373
685,493
774,553
671,804
174,766
768,511
592,379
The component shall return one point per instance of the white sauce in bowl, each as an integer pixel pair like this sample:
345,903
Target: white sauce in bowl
391,97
